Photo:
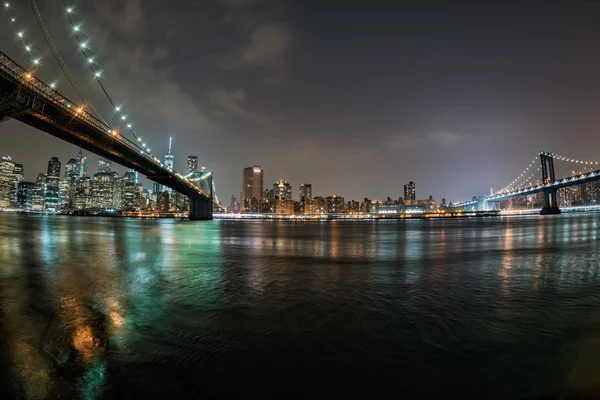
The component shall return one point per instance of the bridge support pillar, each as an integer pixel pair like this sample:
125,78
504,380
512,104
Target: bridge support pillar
201,209
550,203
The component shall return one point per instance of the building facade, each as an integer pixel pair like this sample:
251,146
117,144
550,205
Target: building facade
252,187
7,171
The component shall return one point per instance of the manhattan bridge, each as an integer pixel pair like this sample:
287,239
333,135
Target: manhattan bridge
25,97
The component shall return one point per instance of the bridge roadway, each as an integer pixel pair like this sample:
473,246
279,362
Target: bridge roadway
29,100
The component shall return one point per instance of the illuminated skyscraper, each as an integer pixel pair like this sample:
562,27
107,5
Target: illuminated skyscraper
282,190
38,197
67,185
169,158
14,187
192,164
104,165
52,200
82,163
103,186
24,195
7,170
305,192
252,185
410,193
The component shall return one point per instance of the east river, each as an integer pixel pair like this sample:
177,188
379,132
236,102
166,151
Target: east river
472,308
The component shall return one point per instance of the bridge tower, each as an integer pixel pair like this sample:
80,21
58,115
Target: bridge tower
550,202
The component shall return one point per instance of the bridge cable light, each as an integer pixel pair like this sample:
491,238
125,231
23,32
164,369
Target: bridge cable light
84,44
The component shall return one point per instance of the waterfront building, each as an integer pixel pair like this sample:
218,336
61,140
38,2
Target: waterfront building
410,193
335,204
162,201
52,196
68,183
234,205
320,205
82,196
103,185
38,196
24,195
305,198
282,190
14,186
7,170
140,197
128,190
252,186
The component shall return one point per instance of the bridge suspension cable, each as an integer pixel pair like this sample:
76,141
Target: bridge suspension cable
61,62
21,35
520,178
84,47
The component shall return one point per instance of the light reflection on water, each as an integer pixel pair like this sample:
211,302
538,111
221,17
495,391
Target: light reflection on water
93,307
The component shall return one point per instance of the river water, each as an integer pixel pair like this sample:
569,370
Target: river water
478,308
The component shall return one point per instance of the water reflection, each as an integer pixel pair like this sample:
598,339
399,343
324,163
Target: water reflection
93,307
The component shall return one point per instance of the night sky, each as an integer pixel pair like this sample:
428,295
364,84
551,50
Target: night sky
356,98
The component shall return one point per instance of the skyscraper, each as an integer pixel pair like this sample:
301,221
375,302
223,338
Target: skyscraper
104,165
305,191
14,187
7,170
169,162
410,192
67,185
103,186
252,185
306,198
283,198
82,194
24,194
52,182
282,190
128,190
82,164
169,158
192,164
38,196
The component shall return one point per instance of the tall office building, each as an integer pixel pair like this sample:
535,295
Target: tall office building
192,164
282,190
128,190
306,198
252,186
169,157
7,171
410,193
24,195
38,196
305,191
104,165
67,185
82,194
82,164
14,187
103,186
52,199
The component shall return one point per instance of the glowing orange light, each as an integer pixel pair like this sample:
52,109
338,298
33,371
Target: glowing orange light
28,76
